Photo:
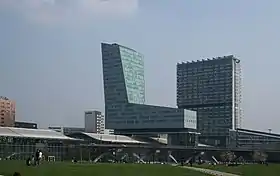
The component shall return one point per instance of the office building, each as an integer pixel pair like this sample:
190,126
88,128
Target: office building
94,122
7,112
124,90
212,87
67,130
29,125
254,140
108,131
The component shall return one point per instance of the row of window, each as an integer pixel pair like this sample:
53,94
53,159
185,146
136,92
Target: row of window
222,85
204,75
205,95
205,82
205,65
156,117
246,136
143,121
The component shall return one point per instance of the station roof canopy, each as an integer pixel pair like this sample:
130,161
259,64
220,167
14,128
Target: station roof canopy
259,133
113,138
32,133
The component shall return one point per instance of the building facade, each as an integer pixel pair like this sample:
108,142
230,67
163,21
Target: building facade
29,125
94,122
212,87
7,112
67,130
124,90
108,131
254,140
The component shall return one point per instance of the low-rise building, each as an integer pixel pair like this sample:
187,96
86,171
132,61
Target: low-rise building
245,138
67,130
29,125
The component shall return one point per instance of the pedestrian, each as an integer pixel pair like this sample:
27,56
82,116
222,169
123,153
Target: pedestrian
37,157
40,156
191,162
28,161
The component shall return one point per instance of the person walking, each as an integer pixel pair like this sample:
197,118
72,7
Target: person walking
37,153
40,156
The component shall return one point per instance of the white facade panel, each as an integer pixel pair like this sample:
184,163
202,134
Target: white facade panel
190,120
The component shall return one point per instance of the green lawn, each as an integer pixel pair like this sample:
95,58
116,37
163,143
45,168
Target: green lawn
248,170
7,168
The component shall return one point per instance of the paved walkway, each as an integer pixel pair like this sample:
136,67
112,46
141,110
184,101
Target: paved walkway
210,172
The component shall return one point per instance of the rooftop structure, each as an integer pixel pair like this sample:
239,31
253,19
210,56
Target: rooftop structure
67,130
30,125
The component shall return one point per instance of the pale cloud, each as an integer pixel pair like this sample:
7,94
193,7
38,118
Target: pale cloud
53,11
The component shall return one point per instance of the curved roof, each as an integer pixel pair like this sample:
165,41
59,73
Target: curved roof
113,138
32,133
4,131
160,140
203,145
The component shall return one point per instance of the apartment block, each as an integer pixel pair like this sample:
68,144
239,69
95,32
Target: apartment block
7,112
94,122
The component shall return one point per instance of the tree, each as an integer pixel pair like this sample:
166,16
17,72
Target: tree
240,159
227,156
259,156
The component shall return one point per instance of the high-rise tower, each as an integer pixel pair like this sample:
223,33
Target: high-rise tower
212,87
126,68
124,91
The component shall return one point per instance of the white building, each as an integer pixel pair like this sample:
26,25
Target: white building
94,122
108,131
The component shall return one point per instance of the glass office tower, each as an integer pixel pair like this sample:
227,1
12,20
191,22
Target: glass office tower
124,91
133,70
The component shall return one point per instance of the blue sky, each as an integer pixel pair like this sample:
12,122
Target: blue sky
51,62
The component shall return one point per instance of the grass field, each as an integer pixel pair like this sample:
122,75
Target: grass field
7,168
248,170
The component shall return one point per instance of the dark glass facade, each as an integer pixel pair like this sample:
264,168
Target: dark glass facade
124,91
212,87
25,125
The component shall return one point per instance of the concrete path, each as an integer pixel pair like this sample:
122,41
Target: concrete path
210,172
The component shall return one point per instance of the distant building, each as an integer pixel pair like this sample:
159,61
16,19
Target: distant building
108,131
254,140
26,125
212,87
94,122
67,130
7,112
